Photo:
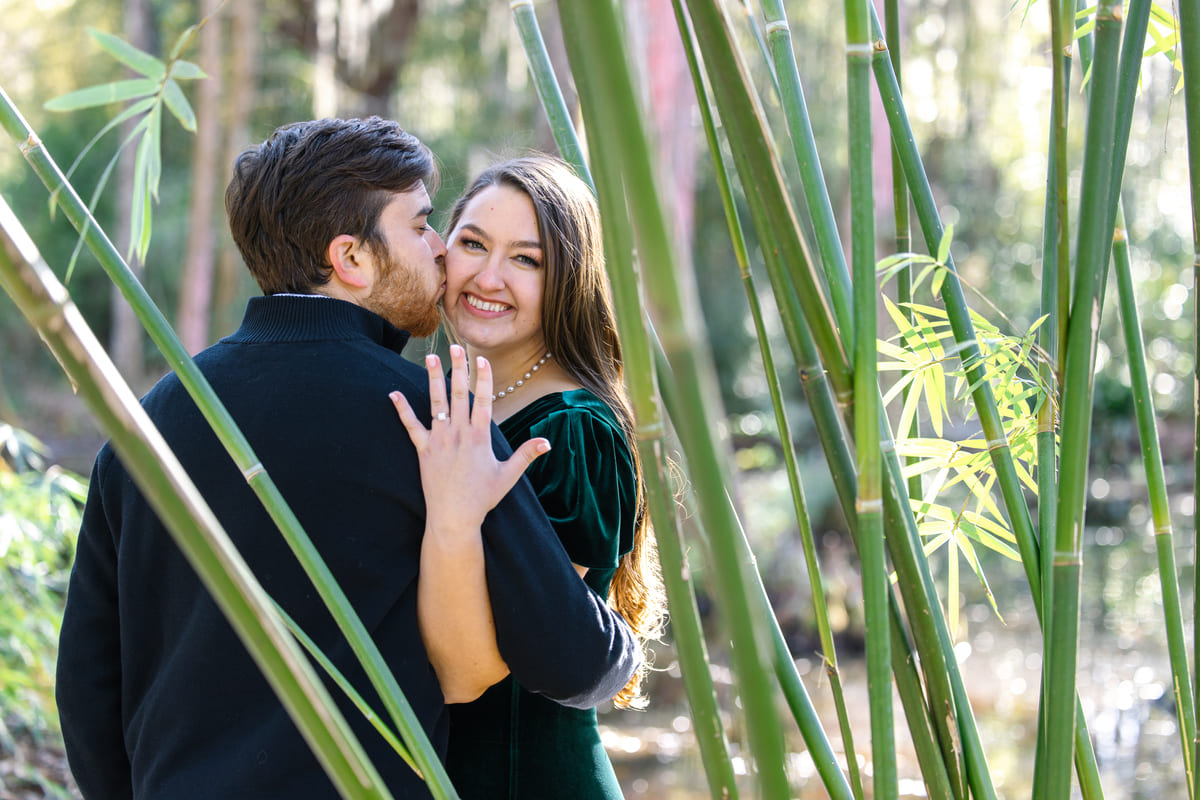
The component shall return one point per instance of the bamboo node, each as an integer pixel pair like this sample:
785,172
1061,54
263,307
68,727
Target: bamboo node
1002,441
30,143
860,48
887,445
873,506
777,25
515,4
252,471
880,46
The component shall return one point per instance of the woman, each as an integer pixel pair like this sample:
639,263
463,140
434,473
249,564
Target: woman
526,289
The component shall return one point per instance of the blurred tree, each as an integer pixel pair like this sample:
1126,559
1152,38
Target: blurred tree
196,285
126,339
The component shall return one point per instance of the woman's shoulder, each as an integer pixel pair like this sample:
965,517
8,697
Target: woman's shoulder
575,408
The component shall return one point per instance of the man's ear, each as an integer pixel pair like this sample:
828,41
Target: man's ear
346,256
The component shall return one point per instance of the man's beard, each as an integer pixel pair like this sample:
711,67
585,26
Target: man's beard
401,297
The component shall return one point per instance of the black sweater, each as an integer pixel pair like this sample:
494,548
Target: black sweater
158,697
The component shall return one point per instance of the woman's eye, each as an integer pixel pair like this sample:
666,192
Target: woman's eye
529,261
471,244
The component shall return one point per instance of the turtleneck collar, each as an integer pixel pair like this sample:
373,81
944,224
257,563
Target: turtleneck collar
295,318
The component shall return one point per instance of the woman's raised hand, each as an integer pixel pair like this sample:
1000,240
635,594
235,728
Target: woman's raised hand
460,474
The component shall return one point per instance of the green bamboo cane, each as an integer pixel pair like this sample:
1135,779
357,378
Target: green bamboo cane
161,478
1054,296
785,668
869,504
547,88
685,616
1189,53
903,233
1137,17
1062,618
236,444
771,208
1160,512
791,96
686,627
833,443
952,295
613,118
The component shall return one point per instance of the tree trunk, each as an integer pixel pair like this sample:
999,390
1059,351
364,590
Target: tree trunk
125,342
242,86
361,45
196,286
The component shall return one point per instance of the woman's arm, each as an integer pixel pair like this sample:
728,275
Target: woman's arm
462,481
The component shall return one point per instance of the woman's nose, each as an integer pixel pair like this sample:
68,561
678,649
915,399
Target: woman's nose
489,277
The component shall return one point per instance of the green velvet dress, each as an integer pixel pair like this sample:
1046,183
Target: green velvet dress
511,743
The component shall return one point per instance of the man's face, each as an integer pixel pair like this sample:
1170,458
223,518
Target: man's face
409,268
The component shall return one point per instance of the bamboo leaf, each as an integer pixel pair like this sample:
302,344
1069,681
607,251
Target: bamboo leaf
102,95
943,254
130,56
187,71
184,39
179,106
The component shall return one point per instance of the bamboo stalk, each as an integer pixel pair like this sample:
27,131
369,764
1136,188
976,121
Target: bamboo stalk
686,627
1137,18
614,121
1160,511
1189,53
903,232
161,478
869,504
547,88
236,444
1062,617
1055,296
791,95
918,590
785,668
771,208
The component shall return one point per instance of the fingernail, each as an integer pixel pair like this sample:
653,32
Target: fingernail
394,396
456,350
431,360
543,447
480,362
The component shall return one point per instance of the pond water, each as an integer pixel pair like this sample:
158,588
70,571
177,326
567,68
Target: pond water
1123,679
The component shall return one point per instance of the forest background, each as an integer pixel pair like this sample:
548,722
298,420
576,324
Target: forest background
454,73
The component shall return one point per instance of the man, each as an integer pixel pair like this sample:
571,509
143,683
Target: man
158,698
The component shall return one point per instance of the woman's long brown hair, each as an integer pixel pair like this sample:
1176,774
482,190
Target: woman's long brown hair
579,327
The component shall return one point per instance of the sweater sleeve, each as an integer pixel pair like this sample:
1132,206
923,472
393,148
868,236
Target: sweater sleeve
558,637
88,680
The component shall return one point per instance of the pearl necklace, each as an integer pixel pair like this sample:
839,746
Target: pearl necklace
521,381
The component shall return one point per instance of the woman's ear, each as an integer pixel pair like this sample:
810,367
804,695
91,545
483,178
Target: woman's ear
346,256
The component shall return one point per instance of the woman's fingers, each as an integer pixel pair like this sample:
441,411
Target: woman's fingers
439,408
481,415
416,431
460,390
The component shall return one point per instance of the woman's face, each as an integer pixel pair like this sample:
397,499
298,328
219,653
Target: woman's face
494,275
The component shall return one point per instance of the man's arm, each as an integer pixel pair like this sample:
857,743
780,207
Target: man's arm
88,680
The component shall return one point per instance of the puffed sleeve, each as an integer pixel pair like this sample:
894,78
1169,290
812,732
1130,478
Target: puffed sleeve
586,485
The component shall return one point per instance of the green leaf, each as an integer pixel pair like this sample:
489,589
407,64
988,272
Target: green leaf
130,56
103,94
187,71
179,106
944,246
